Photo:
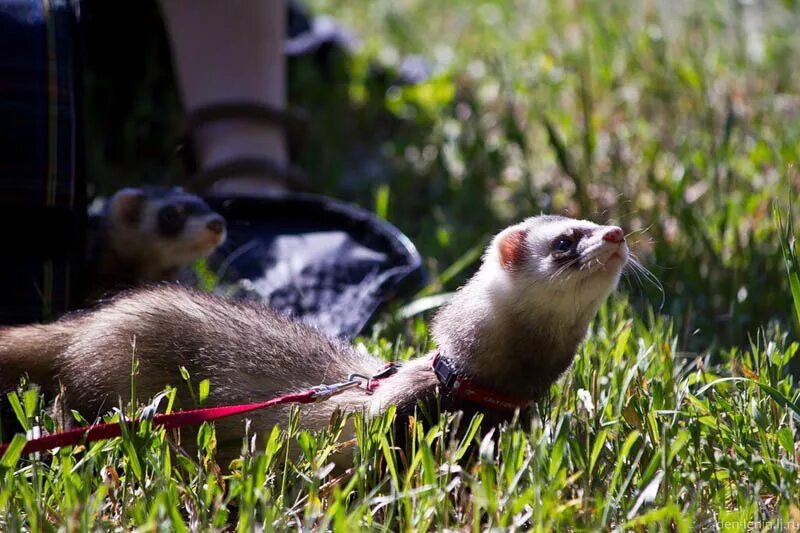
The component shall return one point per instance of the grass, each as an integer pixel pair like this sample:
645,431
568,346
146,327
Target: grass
681,409
637,434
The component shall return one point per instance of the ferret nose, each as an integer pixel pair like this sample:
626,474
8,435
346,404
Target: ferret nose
614,234
216,225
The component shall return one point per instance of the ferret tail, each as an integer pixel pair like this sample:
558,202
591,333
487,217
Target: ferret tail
32,351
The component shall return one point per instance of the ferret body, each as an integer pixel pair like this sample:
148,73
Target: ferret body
147,235
514,327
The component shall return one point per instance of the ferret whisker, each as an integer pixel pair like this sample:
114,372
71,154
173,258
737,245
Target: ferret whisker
562,269
633,268
567,278
638,268
637,265
637,231
569,269
637,276
557,273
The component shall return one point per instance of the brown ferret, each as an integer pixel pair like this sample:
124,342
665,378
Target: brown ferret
148,235
513,328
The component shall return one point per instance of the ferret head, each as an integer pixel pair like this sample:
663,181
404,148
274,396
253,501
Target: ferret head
557,263
517,323
169,228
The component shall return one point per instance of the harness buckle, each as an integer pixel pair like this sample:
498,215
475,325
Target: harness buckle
446,374
389,369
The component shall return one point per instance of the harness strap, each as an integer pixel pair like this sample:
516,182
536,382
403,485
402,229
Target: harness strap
469,390
388,370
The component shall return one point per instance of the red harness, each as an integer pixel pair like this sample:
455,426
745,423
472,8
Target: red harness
469,390
463,387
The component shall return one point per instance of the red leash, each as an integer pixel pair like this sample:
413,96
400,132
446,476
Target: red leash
178,419
462,386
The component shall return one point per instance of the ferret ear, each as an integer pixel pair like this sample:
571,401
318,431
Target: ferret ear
125,207
511,246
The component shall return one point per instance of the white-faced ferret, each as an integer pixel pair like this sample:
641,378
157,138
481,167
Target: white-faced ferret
502,340
148,235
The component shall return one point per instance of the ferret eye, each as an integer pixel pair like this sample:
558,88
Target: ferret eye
563,244
169,214
171,220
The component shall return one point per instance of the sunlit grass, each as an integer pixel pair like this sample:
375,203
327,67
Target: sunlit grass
637,433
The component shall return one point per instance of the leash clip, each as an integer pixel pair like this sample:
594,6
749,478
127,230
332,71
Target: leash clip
372,383
323,392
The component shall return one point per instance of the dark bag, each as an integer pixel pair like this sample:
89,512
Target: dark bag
323,261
